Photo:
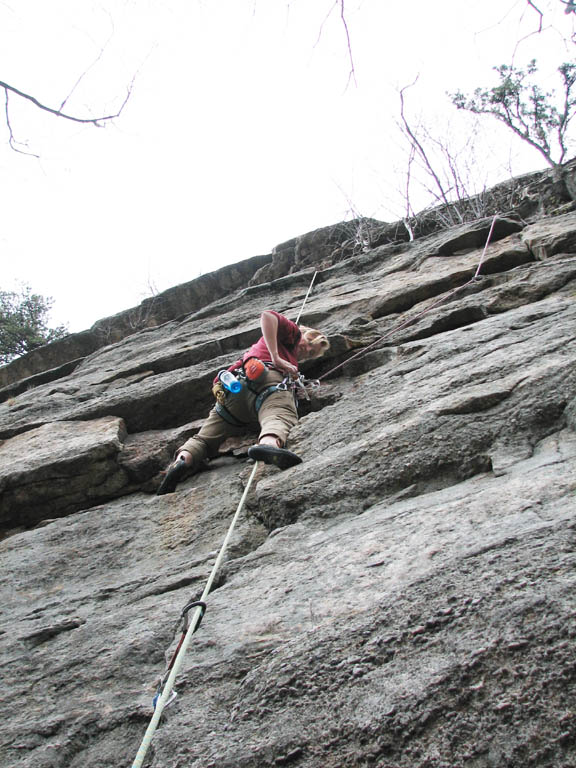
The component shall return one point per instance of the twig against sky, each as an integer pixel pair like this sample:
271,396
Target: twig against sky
530,34
97,121
83,75
418,146
11,139
352,73
341,5
58,112
531,4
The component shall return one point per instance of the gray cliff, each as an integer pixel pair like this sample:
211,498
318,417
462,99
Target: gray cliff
405,598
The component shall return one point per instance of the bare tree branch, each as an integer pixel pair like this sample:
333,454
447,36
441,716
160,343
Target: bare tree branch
531,4
324,22
530,34
83,75
97,121
420,149
11,140
58,112
409,210
352,73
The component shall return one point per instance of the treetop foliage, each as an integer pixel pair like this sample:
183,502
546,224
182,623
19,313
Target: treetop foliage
24,323
536,116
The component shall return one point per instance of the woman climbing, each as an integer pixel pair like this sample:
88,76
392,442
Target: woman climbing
273,358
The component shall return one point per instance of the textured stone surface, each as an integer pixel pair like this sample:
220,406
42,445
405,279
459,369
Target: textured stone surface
547,237
168,305
402,599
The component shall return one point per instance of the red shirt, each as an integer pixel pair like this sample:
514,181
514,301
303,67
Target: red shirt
288,335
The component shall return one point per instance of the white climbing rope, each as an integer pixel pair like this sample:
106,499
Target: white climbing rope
169,685
306,297
485,248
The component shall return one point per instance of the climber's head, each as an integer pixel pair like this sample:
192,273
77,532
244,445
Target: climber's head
312,344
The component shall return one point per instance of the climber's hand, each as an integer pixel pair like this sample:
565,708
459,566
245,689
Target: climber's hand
284,366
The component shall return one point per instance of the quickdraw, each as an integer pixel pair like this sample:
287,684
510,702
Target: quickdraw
299,385
185,619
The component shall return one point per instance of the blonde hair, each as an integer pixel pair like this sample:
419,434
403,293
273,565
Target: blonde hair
317,339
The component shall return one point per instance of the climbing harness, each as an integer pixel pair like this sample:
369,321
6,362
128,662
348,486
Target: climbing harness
299,386
264,394
249,374
225,414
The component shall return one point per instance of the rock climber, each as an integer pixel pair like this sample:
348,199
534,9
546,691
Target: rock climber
273,359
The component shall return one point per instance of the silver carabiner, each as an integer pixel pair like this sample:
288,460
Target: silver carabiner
169,701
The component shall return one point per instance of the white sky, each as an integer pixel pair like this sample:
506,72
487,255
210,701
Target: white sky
241,131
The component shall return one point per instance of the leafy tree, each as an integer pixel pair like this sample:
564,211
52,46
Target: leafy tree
24,323
540,118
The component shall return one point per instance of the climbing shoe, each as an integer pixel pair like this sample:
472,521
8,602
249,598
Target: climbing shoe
174,474
280,457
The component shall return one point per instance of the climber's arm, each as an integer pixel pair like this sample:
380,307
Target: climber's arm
269,326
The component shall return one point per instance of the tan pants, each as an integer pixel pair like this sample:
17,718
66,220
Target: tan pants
276,416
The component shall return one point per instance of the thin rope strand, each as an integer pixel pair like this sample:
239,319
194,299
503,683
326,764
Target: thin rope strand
306,297
410,320
161,703
485,247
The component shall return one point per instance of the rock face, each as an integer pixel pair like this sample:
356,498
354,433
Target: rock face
405,598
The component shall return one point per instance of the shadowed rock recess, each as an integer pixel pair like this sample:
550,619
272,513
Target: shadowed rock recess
405,598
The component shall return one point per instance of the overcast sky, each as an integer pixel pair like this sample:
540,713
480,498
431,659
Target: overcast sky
243,128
